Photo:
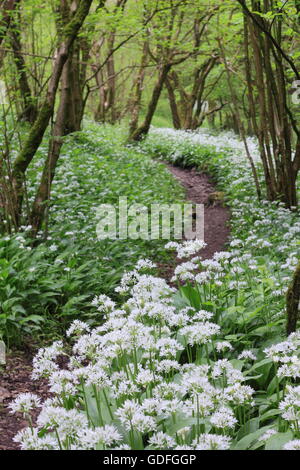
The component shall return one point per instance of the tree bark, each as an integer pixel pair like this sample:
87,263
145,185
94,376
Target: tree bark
135,105
63,126
293,300
29,109
6,7
143,130
173,104
239,121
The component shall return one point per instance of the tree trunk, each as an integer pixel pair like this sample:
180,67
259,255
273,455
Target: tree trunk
143,130
239,122
29,109
111,80
6,8
173,104
135,105
293,300
188,112
63,126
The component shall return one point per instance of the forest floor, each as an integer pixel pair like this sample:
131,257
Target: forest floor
16,377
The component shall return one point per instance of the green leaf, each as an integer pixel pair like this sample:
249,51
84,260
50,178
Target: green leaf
277,441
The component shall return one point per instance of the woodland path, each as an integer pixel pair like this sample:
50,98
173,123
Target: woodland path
199,187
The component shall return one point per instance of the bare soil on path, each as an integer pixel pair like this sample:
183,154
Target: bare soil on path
15,378
199,189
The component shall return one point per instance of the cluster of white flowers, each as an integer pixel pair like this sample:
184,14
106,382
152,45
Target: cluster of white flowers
286,356
290,407
125,376
25,403
150,362
187,248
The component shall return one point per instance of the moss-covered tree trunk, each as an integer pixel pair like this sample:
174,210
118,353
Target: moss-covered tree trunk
63,126
7,8
23,160
173,104
29,108
293,300
145,126
136,99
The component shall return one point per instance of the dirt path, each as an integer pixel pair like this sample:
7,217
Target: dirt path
199,187
15,378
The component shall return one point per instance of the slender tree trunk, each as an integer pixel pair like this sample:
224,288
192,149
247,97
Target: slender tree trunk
145,126
178,109
29,109
293,300
111,80
63,126
76,86
173,104
239,121
100,111
135,105
7,8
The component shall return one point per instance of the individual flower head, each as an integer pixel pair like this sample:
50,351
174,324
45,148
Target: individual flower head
89,439
223,418
212,442
103,303
144,264
266,436
248,355
77,328
44,362
161,440
63,382
292,445
25,403
223,346
200,333
239,394
290,406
